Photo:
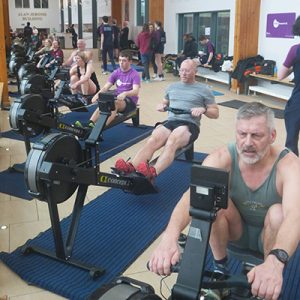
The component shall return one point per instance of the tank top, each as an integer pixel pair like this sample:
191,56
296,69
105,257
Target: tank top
253,204
93,76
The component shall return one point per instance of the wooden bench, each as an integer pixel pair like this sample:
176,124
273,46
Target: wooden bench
208,74
269,85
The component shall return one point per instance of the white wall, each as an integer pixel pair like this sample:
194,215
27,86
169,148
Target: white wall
175,7
275,48
39,17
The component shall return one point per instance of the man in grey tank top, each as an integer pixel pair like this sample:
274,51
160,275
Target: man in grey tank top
180,129
263,207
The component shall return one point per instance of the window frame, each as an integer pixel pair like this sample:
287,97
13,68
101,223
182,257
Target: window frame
41,4
139,17
22,4
196,33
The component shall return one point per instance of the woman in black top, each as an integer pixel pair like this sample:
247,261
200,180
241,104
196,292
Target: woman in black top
124,36
83,78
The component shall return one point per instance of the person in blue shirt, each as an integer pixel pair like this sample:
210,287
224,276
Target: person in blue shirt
292,108
107,45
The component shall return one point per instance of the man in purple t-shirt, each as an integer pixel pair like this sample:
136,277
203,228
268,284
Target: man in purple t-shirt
209,53
127,81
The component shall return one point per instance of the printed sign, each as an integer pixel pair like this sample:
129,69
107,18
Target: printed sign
280,25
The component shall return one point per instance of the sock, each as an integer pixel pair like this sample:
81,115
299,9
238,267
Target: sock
222,261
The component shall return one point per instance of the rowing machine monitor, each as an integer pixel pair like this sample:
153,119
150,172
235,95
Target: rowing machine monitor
209,190
106,102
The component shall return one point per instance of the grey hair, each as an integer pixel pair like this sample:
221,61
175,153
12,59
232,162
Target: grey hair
193,65
256,109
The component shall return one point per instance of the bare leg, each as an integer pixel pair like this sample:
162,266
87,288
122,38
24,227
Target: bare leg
178,138
157,139
158,63
120,106
227,227
95,115
73,79
88,87
273,220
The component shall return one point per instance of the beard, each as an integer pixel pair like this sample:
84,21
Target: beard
251,160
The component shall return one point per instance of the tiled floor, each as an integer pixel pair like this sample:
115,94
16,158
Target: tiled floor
25,219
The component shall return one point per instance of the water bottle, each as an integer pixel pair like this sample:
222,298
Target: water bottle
275,71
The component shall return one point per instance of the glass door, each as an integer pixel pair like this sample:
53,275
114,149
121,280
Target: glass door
222,32
186,25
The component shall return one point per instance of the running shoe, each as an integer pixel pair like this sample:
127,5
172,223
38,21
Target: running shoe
90,124
124,167
147,170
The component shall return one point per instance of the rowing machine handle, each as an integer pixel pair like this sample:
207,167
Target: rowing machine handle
177,111
174,268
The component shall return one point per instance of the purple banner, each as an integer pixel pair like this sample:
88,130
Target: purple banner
280,25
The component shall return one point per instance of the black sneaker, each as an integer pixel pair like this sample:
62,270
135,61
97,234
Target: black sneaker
221,269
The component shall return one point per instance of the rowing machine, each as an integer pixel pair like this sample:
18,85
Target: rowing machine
209,193
57,165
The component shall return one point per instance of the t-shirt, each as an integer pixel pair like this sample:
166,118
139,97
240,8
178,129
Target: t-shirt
107,32
124,81
187,96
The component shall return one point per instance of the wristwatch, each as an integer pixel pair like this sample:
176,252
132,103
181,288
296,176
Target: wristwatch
281,255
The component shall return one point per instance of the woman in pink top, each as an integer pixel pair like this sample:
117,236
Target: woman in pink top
143,42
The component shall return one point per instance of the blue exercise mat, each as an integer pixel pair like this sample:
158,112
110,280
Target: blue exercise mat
116,139
114,230
216,93
138,68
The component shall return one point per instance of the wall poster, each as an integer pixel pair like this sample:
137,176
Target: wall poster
280,25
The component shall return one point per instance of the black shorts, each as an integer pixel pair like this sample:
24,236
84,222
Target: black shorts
160,49
193,128
130,106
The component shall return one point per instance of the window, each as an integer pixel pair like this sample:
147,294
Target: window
142,9
41,4
22,4
215,25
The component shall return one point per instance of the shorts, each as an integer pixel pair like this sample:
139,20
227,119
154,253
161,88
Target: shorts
159,49
193,128
130,106
251,238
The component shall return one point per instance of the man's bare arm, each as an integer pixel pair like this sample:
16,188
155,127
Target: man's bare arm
105,88
212,111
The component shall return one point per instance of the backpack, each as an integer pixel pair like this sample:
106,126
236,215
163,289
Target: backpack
267,67
162,39
153,43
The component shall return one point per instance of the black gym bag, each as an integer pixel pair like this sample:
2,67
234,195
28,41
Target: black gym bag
124,288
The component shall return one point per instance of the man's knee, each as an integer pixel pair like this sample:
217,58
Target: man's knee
120,105
159,136
274,217
229,220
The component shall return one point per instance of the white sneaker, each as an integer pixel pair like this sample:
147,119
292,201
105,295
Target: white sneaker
154,76
104,73
159,79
